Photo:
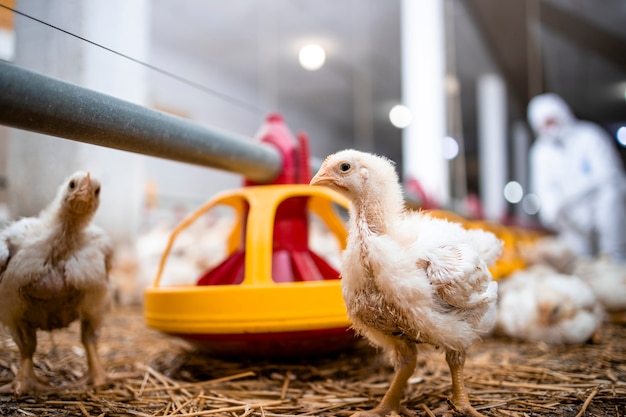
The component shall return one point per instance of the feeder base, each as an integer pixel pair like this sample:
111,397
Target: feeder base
283,345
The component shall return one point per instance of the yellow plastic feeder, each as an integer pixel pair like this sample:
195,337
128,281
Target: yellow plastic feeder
272,296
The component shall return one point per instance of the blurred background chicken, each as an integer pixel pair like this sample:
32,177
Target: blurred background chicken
607,279
53,271
539,304
409,278
547,250
197,249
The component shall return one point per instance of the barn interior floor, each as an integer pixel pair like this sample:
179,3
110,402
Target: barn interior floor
158,375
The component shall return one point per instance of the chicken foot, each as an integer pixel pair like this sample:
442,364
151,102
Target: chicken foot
96,375
460,399
390,404
26,381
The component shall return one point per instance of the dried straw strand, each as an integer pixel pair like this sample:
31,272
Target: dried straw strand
587,402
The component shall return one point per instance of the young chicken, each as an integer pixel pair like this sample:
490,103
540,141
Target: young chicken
550,251
53,271
607,279
539,304
409,278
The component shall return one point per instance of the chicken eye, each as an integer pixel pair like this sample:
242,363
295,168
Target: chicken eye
97,192
72,185
344,167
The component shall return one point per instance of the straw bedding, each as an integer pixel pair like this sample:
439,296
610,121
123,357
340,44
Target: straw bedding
158,375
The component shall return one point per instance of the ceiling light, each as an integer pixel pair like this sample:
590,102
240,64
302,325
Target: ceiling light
531,204
621,136
450,148
400,116
312,57
513,192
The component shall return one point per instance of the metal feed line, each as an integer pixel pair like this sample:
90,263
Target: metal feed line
42,104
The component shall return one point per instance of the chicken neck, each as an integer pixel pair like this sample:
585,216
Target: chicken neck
378,210
65,232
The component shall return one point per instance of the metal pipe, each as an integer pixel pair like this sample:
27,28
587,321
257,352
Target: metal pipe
38,103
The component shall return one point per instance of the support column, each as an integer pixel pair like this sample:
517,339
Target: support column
492,152
423,92
520,147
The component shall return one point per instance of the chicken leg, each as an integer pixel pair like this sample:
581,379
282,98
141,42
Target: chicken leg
460,400
26,381
88,335
407,359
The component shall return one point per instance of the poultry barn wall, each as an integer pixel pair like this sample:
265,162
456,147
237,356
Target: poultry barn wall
36,163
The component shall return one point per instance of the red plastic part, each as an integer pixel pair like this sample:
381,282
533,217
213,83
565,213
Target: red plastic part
284,345
304,158
230,271
427,202
295,154
292,260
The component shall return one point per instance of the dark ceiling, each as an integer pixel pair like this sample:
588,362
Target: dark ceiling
575,48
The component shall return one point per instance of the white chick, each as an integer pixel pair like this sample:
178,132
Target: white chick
409,278
179,268
550,251
324,243
607,279
541,305
54,270
209,243
196,249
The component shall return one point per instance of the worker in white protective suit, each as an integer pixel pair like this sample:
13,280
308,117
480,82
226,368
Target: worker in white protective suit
579,178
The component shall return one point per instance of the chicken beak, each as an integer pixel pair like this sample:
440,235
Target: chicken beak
84,186
84,194
322,178
81,199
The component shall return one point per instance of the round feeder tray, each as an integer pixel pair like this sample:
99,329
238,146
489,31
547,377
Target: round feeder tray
272,296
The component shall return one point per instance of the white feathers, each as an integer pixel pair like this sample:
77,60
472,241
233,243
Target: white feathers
60,240
406,272
540,305
12,237
54,270
560,299
548,250
607,279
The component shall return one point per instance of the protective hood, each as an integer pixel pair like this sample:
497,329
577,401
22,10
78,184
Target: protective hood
549,106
